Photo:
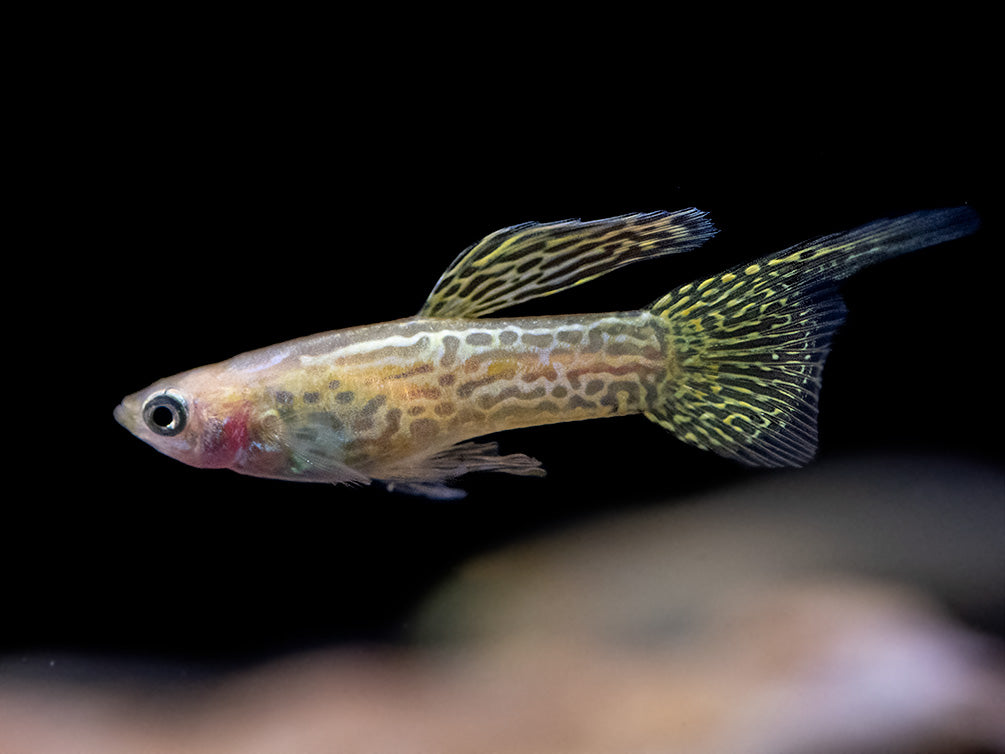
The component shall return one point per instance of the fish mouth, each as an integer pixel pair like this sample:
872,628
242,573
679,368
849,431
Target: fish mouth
121,415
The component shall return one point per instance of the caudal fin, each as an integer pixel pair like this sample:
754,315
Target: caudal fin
747,347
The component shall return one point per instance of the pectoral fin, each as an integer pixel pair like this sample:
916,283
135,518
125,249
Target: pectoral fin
315,441
522,262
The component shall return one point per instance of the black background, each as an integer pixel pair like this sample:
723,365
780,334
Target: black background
199,197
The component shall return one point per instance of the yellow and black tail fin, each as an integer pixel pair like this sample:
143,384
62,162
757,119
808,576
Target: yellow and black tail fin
746,348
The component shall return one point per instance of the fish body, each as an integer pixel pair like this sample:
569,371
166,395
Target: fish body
730,363
383,400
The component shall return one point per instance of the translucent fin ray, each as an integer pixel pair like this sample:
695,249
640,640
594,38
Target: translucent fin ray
523,262
313,440
427,476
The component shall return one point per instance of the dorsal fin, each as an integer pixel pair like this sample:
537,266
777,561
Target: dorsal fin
525,261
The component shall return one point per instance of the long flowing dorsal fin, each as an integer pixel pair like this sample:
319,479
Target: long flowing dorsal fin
525,261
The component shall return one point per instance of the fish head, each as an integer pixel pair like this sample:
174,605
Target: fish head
189,418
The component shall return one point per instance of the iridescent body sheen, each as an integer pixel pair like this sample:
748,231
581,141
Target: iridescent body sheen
730,363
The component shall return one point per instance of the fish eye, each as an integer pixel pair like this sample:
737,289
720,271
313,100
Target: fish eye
165,414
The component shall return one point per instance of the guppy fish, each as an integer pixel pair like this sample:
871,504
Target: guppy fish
730,363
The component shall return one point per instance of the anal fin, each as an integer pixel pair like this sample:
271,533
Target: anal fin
427,476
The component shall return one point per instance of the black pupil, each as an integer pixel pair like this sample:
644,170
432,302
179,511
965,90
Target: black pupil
162,416
165,415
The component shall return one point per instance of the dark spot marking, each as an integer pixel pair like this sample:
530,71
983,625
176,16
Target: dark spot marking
446,408
560,391
478,339
488,401
518,285
446,380
508,337
393,421
621,386
473,282
537,341
475,361
532,248
430,393
577,401
572,337
424,429
284,397
579,247
623,349
334,385
450,345
547,371
312,397
525,267
421,369
546,406
467,388
594,386
371,406
346,397
466,415
486,292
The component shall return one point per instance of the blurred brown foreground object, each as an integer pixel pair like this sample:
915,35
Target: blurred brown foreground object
848,607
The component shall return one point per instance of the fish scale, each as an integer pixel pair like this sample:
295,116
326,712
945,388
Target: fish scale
435,383
730,363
